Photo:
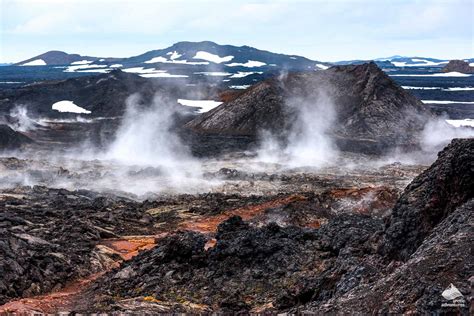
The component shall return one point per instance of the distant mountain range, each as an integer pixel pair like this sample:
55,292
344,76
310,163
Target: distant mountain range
208,53
236,67
185,53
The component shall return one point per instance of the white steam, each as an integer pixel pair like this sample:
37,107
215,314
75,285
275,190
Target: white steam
20,121
145,138
438,133
308,142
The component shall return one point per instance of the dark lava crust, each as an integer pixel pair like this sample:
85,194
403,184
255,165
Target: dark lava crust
352,264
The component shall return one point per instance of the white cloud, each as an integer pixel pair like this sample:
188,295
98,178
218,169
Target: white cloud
323,30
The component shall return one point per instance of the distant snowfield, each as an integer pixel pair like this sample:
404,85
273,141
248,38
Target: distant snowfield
248,64
174,55
141,70
445,102
152,73
80,68
213,73
461,123
242,87
159,59
36,62
421,63
242,74
162,75
211,57
441,74
204,105
460,89
421,88
116,66
323,67
439,88
82,62
70,107
173,60
102,71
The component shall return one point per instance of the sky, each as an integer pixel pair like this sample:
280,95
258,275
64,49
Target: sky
320,30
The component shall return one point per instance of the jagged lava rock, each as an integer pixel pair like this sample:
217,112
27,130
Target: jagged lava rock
352,264
430,198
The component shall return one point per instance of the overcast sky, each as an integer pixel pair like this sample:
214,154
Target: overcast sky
321,30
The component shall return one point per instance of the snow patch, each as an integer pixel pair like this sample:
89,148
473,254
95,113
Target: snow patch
84,66
242,87
242,74
249,64
441,74
445,102
158,59
321,66
174,55
102,71
460,89
82,62
420,88
420,63
116,66
36,62
141,70
152,73
211,57
161,59
204,105
162,75
70,107
213,73
460,123
439,88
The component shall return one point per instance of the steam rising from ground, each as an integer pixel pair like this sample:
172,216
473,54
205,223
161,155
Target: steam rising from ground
145,136
437,134
148,157
20,121
307,143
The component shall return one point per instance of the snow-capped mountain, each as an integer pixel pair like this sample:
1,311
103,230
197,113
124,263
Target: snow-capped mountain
234,67
191,60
